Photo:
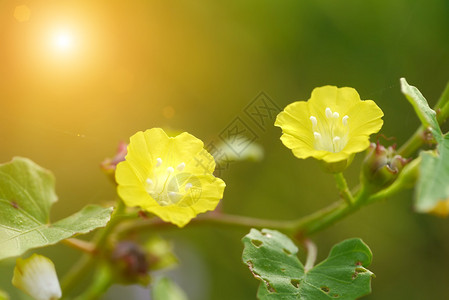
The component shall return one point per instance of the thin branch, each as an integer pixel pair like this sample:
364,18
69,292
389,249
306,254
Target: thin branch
81,245
311,254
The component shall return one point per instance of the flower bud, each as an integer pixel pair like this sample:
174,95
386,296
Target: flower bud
381,166
37,277
108,165
131,261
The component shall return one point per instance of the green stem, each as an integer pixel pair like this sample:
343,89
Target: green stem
343,188
212,218
328,216
413,143
78,271
442,106
100,284
85,263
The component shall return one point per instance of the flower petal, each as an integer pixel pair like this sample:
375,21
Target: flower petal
37,277
365,118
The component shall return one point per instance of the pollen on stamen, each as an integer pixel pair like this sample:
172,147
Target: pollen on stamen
335,115
170,170
317,135
188,186
149,181
328,112
158,162
181,166
336,139
344,120
314,121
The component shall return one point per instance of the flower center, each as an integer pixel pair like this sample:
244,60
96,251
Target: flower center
170,185
330,134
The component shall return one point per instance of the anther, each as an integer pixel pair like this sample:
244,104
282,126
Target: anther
149,181
170,170
344,120
181,166
158,162
188,186
314,121
317,135
171,194
335,115
328,112
336,139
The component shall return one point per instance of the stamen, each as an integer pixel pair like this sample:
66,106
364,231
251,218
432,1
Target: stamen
344,120
171,194
149,181
317,135
188,186
314,121
170,170
181,166
336,139
328,112
335,115
158,162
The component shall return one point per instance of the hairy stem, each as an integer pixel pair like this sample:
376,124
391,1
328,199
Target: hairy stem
343,188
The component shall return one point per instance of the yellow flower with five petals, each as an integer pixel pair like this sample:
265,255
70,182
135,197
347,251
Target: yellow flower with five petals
170,177
331,126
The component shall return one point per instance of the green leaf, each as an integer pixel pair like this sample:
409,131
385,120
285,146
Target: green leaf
166,289
271,257
432,191
425,113
26,196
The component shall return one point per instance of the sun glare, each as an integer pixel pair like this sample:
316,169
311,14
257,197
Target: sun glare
63,41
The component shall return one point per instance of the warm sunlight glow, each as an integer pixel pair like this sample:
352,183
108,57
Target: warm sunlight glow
63,41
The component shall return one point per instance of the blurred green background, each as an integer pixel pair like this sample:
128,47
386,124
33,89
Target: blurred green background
194,66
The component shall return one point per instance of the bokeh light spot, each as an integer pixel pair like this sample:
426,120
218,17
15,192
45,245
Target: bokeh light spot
22,13
168,112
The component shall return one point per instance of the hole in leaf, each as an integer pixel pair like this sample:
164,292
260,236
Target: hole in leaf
266,234
295,283
325,289
286,251
256,243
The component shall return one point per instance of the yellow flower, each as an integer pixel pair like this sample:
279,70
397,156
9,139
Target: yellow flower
170,177
331,126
